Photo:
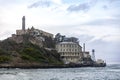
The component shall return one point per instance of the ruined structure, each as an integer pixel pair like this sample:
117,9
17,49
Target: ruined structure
32,31
36,36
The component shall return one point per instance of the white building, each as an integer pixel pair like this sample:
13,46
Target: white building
100,61
70,52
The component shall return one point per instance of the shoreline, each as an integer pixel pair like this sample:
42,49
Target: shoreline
52,66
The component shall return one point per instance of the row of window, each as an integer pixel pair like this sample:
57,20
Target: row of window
67,45
67,58
70,54
68,50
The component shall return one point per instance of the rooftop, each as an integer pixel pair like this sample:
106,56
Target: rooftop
67,43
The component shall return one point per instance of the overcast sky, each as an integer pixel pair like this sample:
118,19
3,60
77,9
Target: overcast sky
94,22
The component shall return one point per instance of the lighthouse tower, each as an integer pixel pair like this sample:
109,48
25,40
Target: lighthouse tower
93,55
23,23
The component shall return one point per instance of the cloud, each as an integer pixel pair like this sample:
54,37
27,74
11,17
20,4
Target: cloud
57,1
5,34
111,1
105,50
95,32
85,38
81,6
110,4
104,21
41,3
105,7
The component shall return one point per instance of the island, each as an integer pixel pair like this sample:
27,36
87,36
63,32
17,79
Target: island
34,48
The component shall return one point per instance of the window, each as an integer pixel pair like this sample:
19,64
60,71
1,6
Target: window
70,50
69,45
75,46
59,50
75,49
66,49
61,45
75,53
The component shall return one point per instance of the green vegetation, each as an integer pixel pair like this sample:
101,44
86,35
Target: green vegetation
2,51
4,56
4,59
40,55
8,45
28,52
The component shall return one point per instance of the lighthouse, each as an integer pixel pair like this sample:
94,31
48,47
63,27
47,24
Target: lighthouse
93,55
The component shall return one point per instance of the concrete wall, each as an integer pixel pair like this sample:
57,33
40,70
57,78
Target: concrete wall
21,32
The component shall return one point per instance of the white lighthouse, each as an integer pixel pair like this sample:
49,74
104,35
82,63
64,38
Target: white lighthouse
93,55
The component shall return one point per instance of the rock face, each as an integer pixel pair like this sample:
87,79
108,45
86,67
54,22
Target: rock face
27,38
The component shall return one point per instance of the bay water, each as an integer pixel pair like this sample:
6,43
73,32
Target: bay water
110,72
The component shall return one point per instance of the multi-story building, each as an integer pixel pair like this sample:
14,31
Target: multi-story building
70,52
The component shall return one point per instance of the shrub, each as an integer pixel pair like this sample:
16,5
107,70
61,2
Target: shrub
2,51
4,59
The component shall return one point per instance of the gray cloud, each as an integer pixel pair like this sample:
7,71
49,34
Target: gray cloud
81,6
5,34
105,50
111,1
113,21
105,7
41,3
85,38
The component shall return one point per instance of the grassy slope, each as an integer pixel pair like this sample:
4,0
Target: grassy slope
11,52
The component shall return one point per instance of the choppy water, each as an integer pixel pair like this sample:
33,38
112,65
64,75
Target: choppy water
111,72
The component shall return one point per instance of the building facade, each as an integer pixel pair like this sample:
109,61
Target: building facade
70,52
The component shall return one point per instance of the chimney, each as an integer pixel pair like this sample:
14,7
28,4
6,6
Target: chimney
23,23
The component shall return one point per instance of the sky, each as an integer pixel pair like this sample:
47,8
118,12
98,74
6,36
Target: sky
95,22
